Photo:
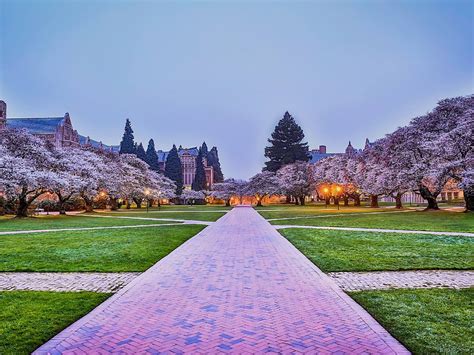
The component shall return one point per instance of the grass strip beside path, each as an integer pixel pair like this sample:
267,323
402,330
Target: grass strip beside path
424,221
60,222
428,321
186,215
28,319
369,251
111,250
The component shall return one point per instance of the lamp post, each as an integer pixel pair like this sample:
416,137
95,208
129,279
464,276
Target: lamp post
326,200
338,191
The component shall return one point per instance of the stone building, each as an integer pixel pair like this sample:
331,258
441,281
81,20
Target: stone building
57,130
188,163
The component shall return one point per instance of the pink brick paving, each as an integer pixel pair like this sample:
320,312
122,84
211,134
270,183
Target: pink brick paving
236,287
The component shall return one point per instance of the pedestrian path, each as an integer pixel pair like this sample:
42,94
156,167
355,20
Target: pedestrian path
236,287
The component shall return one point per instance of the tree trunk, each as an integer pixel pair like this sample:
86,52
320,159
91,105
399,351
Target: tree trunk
429,197
469,198
62,208
138,202
113,204
398,201
288,198
357,200
259,202
23,205
374,201
128,205
327,200
346,200
227,203
302,200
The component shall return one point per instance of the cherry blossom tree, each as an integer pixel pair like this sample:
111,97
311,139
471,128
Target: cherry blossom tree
263,184
191,196
228,189
24,168
296,180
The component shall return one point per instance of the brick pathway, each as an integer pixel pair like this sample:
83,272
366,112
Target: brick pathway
238,287
381,280
65,281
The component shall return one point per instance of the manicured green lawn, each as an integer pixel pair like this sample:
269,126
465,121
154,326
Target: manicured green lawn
28,319
188,215
431,321
114,250
58,222
363,251
416,220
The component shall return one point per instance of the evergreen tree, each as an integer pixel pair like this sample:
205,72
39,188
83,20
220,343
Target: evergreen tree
204,150
199,182
174,170
127,146
286,144
141,152
213,160
151,156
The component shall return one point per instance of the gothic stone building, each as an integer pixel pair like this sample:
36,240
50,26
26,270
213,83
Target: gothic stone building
60,132
56,130
188,163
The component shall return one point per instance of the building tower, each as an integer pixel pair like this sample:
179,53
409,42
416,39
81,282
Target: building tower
3,114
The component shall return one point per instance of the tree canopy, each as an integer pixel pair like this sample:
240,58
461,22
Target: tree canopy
286,144
127,146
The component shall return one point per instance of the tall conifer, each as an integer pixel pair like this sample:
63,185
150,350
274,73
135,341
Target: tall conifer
174,170
141,152
127,146
213,160
286,145
199,182
151,156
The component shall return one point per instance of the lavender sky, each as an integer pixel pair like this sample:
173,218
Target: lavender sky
185,72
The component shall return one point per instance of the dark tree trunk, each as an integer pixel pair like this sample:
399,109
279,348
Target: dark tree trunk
398,201
259,202
227,202
62,208
357,200
302,200
128,205
429,197
113,204
23,205
374,201
346,200
288,198
327,200
469,198
138,202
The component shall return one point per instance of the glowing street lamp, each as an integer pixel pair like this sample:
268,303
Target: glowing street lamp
326,191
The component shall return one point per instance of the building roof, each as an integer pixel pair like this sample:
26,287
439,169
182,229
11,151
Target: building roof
46,125
316,156
162,155
95,144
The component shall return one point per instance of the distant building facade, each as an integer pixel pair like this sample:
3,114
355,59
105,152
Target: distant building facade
188,158
58,131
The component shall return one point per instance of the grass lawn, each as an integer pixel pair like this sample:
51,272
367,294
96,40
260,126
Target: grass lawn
431,321
363,251
416,220
28,319
189,215
111,250
58,222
